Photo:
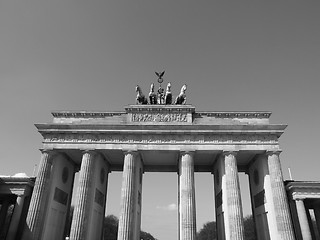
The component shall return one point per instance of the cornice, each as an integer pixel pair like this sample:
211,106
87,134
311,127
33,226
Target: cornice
162,109
164,127
29,181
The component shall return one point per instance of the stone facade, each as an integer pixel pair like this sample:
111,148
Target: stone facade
15,193
304,198
158,138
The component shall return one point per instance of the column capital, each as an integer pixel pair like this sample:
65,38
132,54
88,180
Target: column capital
299,199
190,152
50,151
273,152
133,152
91,151
226,153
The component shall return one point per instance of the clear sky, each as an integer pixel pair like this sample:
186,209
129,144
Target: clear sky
89,55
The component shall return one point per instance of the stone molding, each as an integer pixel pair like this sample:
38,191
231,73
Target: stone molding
158,139
85,114
139,109
235,114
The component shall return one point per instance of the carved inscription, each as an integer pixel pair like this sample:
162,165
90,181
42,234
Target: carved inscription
169,117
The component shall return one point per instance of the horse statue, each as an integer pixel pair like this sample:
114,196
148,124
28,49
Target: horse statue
168,95
140,99
181,98
152,95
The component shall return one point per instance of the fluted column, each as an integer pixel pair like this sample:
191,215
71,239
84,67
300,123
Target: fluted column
129,222
82,209
4,211
232,190
36,213
187,205
317,216
281,206
303,220
15,219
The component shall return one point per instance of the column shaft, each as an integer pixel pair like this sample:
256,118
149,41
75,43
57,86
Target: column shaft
130,215
82,209
15,219
36,213
187,205
4,211
317,216
303,220
281,206
232,190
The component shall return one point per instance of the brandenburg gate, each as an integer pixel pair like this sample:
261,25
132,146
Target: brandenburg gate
158,137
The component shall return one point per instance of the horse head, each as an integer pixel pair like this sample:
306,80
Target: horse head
183,89
168,88
152,88
138,88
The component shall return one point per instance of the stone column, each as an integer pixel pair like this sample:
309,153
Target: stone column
4,211
281,206
15,219
187,204
37,207
233,197
317,216
303,220
130,215
82,210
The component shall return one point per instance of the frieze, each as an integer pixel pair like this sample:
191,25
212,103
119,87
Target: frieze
163,139
235,114
84,114
169,117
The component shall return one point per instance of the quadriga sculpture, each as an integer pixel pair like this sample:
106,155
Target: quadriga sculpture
152,95
140,99
168,96
181,98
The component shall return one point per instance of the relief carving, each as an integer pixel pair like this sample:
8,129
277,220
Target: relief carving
170,138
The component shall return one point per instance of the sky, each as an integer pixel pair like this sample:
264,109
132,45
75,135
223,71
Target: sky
90,55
